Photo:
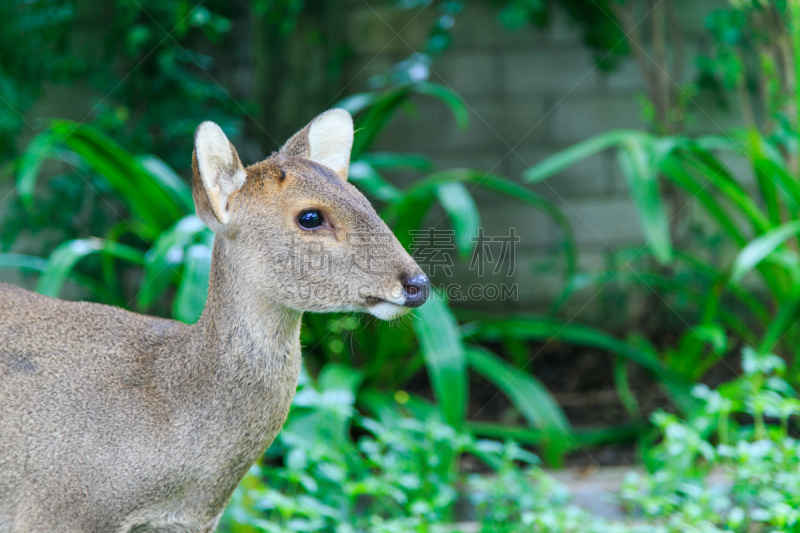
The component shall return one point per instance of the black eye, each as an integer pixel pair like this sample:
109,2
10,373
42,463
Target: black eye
310,219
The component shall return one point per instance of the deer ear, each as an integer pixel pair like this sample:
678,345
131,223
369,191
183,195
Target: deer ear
326,140
218,173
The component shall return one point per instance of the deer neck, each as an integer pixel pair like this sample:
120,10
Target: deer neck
251,337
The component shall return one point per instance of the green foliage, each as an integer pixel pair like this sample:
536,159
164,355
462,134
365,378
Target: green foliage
596,19
732,465
34,48
400,474
152,85
158,83
757,233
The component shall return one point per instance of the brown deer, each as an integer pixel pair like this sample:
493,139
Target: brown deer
112,421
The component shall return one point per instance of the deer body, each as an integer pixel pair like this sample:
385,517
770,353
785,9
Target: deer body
116,422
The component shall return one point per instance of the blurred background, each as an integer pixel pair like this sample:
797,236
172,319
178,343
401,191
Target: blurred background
605,194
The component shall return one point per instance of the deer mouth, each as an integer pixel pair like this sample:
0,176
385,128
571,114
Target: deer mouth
385,309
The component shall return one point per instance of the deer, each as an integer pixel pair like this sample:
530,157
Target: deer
112,421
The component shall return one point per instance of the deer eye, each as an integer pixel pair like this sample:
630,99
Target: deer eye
310,219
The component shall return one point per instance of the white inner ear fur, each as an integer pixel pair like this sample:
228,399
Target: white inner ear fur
330,139
220,170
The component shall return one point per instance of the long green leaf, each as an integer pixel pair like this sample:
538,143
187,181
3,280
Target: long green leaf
377,111
383,161
640,161
583,437
760,248
578,152
155,201
449,97
532,399
408,213
23,262
169,180
530,327
66,256
445,357
193,290
38,264
364,176
460,208
674,168
163,260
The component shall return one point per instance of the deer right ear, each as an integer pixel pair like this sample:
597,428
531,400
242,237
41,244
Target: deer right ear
217,174
327,140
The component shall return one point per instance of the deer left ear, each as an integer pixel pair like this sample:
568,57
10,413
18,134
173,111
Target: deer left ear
327,140
218,173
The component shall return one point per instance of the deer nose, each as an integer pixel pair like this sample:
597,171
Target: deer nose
416,289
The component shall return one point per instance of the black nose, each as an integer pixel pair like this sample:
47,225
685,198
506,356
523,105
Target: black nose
416,290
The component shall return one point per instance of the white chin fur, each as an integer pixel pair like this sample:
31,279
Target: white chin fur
387,311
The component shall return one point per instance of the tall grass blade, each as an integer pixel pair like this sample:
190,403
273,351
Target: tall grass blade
445,357
460,208
640,160
164,259
68,254
760,248
193,290
536,328
532,399
578,152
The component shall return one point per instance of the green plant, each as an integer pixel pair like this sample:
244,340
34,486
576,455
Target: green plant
400,473
744,288
34,48
730,466
150,85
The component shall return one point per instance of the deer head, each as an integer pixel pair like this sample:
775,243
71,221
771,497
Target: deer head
302,235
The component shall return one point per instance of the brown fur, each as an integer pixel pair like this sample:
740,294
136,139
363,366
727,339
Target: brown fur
116,422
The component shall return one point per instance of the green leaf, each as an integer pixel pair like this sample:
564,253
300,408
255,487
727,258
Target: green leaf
407,213
170,181
358,102
376,110
449,97
445,357
23,262
460,208
578,152
760,248
640,161
163,260
384,161
532,399
66,256
764,178
675,169
337,385
193,290
583,437
155,200
531,327
365,177
37,151
37,264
